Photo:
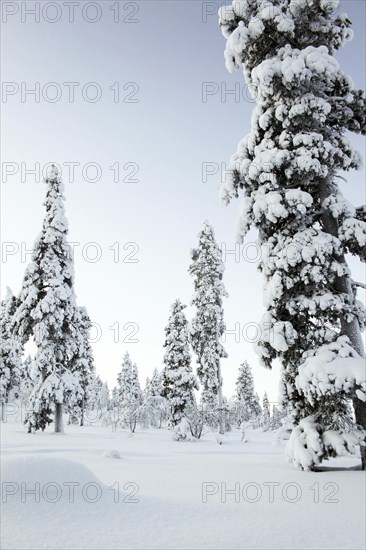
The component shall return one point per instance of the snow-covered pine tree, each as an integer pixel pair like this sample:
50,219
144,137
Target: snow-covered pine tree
146,409
46,311
99,404
104,397
207,327
129,392
179,381
104,405
115,407
26,385
11,371
96,390
136,398
234,411
286,171
277,417
257,405
82,364
124,385
226,414
156,384
258,411
246,403
266,412
156,404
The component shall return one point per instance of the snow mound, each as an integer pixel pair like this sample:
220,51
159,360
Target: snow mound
43,470
70,499
111,453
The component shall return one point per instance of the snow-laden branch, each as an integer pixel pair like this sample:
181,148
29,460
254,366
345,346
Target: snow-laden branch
357,283
334,368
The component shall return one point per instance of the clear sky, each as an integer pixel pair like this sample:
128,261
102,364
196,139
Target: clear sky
148,61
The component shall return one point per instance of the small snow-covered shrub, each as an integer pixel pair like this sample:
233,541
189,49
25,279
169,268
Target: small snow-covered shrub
283,433
309,444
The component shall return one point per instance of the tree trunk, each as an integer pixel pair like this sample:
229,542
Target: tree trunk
3,408
360,414
351,329
58,418
82,412
133,423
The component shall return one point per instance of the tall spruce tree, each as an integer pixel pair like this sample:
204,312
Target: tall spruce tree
266,412
136,398
156,386
47,311
104,397
98,401
26,385
129,392
178,378
155,403
11,371
245,396
286,172
82,364
207,327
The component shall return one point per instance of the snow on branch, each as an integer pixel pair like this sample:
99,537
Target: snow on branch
333,368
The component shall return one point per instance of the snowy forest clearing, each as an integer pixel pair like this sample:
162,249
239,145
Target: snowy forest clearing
159,450
179,489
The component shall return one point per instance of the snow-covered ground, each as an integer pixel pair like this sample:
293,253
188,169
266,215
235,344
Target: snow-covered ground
148,491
